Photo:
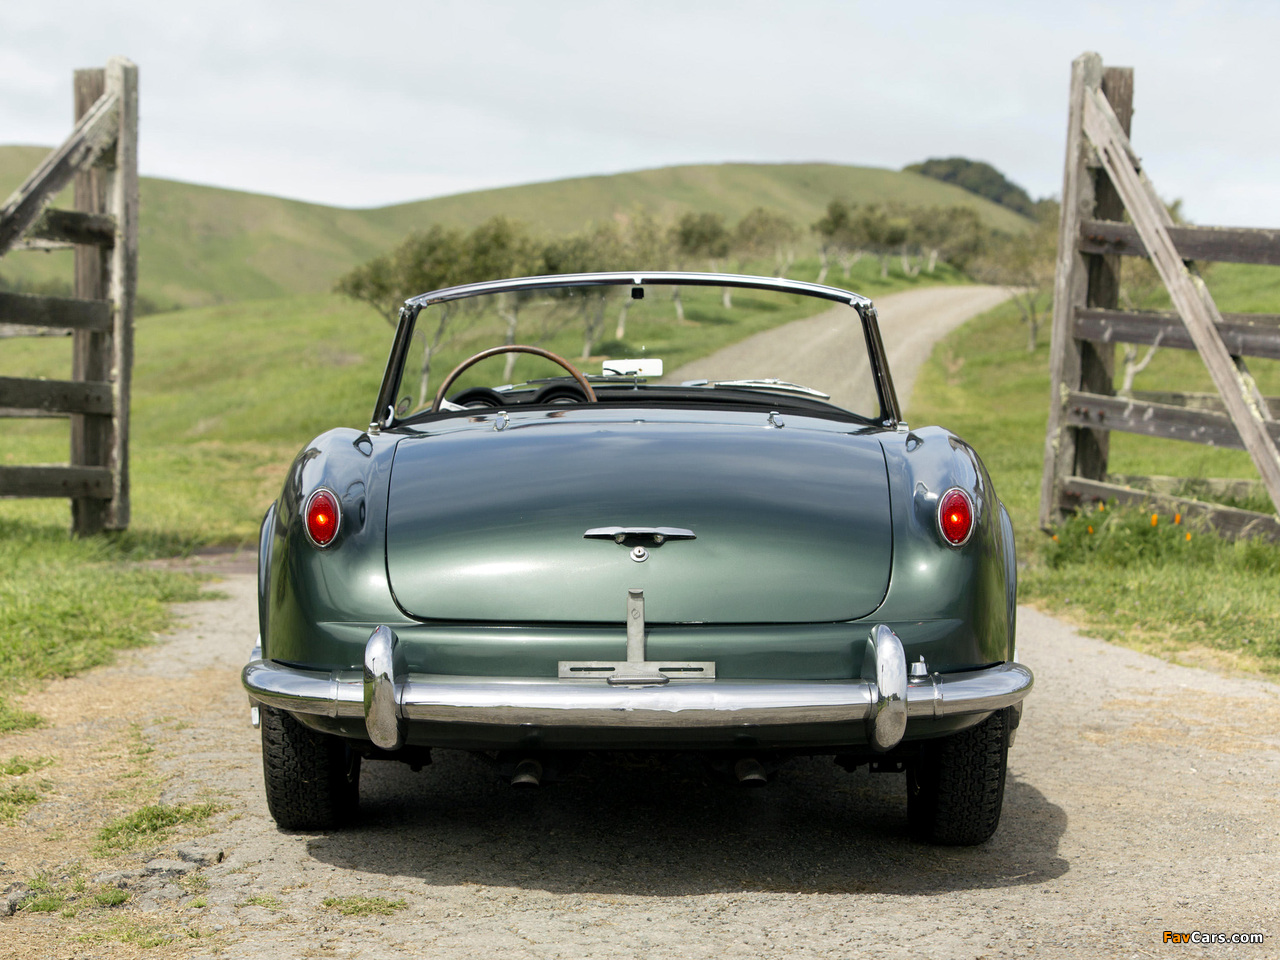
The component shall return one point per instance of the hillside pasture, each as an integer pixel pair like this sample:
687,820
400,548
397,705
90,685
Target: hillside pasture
202,246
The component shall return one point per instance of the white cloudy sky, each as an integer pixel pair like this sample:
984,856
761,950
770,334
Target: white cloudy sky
362,104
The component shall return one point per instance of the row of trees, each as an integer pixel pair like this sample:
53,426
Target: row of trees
919,236
444,256
500,247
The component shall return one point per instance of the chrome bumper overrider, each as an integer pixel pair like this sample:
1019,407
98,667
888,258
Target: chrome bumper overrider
389,698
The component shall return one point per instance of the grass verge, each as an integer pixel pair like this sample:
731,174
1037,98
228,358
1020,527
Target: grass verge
67,605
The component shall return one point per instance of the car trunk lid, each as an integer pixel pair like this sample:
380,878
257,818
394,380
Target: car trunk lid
789,525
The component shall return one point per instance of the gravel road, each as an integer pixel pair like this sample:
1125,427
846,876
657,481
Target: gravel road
814,352
1142,798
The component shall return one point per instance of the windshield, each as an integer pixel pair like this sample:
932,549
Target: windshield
677,343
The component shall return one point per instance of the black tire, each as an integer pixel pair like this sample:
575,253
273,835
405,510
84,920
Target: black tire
955,789
312,779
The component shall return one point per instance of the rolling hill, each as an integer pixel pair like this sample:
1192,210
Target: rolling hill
205,245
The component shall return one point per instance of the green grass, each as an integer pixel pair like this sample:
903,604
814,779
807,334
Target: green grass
364,906
110,897
1146,586
16,799
67,605
201,246
18,794
150,824
1166,587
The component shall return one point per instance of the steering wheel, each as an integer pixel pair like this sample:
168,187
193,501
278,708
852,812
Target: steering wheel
471,361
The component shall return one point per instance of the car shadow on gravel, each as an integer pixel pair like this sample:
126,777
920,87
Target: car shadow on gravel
645,827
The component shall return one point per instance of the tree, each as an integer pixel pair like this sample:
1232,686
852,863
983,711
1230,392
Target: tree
599,248
425,260
1024,264
953,234
647,245
978,178
835,237
764,233
701,236
882,229
497,249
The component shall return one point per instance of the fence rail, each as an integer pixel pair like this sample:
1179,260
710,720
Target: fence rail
1222,244
68,313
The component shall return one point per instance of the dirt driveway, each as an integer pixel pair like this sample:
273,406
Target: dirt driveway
1142,798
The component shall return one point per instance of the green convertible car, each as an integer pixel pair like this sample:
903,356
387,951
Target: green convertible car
745,568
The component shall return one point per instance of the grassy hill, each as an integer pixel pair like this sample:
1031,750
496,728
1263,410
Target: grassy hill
205,245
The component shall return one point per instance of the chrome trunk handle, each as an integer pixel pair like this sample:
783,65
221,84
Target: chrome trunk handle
623,534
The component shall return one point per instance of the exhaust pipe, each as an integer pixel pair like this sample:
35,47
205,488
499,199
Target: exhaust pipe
750,772
528,773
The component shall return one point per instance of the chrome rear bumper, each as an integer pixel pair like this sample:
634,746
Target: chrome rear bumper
388,698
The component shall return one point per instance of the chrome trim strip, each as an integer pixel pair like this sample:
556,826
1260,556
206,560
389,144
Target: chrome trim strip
622,278
590,703
772,383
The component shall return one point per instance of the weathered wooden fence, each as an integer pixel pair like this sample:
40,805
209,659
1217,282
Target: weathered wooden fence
101,158
1103,180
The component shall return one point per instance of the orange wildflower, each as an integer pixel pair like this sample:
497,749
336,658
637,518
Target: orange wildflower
1155,519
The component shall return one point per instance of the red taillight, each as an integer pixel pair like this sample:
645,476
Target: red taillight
955,516
322,517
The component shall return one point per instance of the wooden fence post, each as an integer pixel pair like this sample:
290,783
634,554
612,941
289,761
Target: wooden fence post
1082,280
123,205
107,273
90,349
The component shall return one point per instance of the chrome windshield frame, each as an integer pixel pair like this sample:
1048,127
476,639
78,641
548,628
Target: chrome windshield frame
384,408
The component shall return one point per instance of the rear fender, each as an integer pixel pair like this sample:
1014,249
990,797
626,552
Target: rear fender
303,587
931,580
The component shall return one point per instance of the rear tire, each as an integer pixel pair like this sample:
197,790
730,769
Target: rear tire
955,789
312,779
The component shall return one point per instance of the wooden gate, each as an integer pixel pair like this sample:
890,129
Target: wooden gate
1103,180
101,158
